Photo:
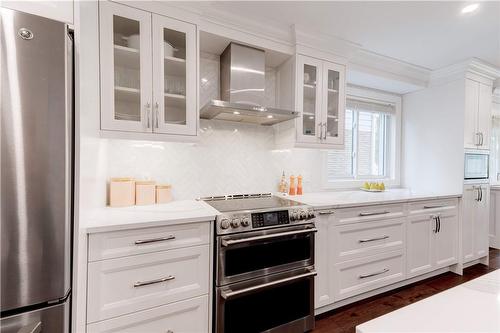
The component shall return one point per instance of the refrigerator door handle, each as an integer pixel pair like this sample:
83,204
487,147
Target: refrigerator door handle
31,328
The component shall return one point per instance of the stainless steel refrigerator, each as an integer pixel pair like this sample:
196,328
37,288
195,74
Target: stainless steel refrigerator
36,173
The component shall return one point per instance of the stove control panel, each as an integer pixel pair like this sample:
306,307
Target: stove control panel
245,221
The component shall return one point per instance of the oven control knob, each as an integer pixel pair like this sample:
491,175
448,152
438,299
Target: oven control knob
303,215
245,222
295,216
311,214
235,223
224,224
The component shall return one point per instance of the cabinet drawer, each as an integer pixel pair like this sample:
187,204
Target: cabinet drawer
429,206
368,213
185,316
124,285
362,275
137,241
357,240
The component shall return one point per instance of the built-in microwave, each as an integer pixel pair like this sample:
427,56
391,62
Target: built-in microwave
476,165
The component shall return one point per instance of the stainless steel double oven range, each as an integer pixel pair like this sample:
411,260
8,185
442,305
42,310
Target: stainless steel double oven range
264,264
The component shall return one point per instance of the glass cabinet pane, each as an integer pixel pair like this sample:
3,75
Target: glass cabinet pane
127,83
309,103
174,50
332,122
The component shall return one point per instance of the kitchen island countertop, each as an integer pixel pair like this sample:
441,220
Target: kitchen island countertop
470,307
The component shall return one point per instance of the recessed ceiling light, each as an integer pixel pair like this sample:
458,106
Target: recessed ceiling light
236,112
470,8
270,116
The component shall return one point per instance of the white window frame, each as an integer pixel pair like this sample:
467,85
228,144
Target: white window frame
394,159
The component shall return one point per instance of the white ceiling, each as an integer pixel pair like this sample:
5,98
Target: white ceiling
427,34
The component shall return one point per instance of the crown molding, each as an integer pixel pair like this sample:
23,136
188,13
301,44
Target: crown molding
473,68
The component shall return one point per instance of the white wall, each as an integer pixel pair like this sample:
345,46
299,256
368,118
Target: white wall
433,136
230,158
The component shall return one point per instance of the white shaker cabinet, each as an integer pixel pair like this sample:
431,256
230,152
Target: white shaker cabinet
432,235
148,72
475,222
316,89
323,292
495,217
477,126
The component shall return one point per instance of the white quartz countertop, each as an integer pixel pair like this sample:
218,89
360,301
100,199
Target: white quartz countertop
187,211
470,307
183,211
341,199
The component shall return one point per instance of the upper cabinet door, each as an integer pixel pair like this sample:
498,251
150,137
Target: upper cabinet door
126,82
174,68
309,88
484,115
333,103
471,135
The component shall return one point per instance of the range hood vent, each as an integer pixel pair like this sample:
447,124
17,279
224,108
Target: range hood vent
242,83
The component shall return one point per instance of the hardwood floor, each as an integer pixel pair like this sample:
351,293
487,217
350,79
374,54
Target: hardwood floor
345,319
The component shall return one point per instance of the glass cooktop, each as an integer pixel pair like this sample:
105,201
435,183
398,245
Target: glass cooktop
249,202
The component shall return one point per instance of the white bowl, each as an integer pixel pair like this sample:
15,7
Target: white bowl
134,41
168,49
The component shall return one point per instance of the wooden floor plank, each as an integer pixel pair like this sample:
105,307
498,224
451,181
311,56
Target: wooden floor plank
345,319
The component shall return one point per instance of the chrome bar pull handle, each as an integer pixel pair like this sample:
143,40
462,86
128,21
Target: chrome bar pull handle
157,114
148,114
154,240
374,213
324,125
320,130
366,240
230,242
432,207
227,294
147,283
364,276
326,212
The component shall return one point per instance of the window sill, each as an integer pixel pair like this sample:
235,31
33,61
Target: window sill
349,184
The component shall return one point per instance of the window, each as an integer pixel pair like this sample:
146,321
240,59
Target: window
370,141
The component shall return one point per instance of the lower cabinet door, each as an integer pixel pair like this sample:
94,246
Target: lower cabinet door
419,254
469,210
190,316
358,276
481,223
125,285
323,294
446,240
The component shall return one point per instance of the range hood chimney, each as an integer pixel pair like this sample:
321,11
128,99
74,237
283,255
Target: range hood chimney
242,83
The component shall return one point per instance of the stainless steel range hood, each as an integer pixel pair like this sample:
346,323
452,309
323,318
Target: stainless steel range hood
242,82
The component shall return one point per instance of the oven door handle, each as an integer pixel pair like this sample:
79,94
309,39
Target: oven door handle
230,293
230,242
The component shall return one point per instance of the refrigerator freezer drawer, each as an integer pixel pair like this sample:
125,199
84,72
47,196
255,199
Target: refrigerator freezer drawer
52,319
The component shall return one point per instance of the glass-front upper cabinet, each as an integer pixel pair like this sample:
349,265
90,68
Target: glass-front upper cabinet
309,100
333,103
125,56
174,70
148,72
321,101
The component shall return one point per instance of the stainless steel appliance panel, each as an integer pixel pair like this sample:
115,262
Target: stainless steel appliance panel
35,160
276,303
252,254
476,165
47,320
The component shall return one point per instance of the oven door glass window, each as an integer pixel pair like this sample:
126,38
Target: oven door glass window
252,257
268,308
